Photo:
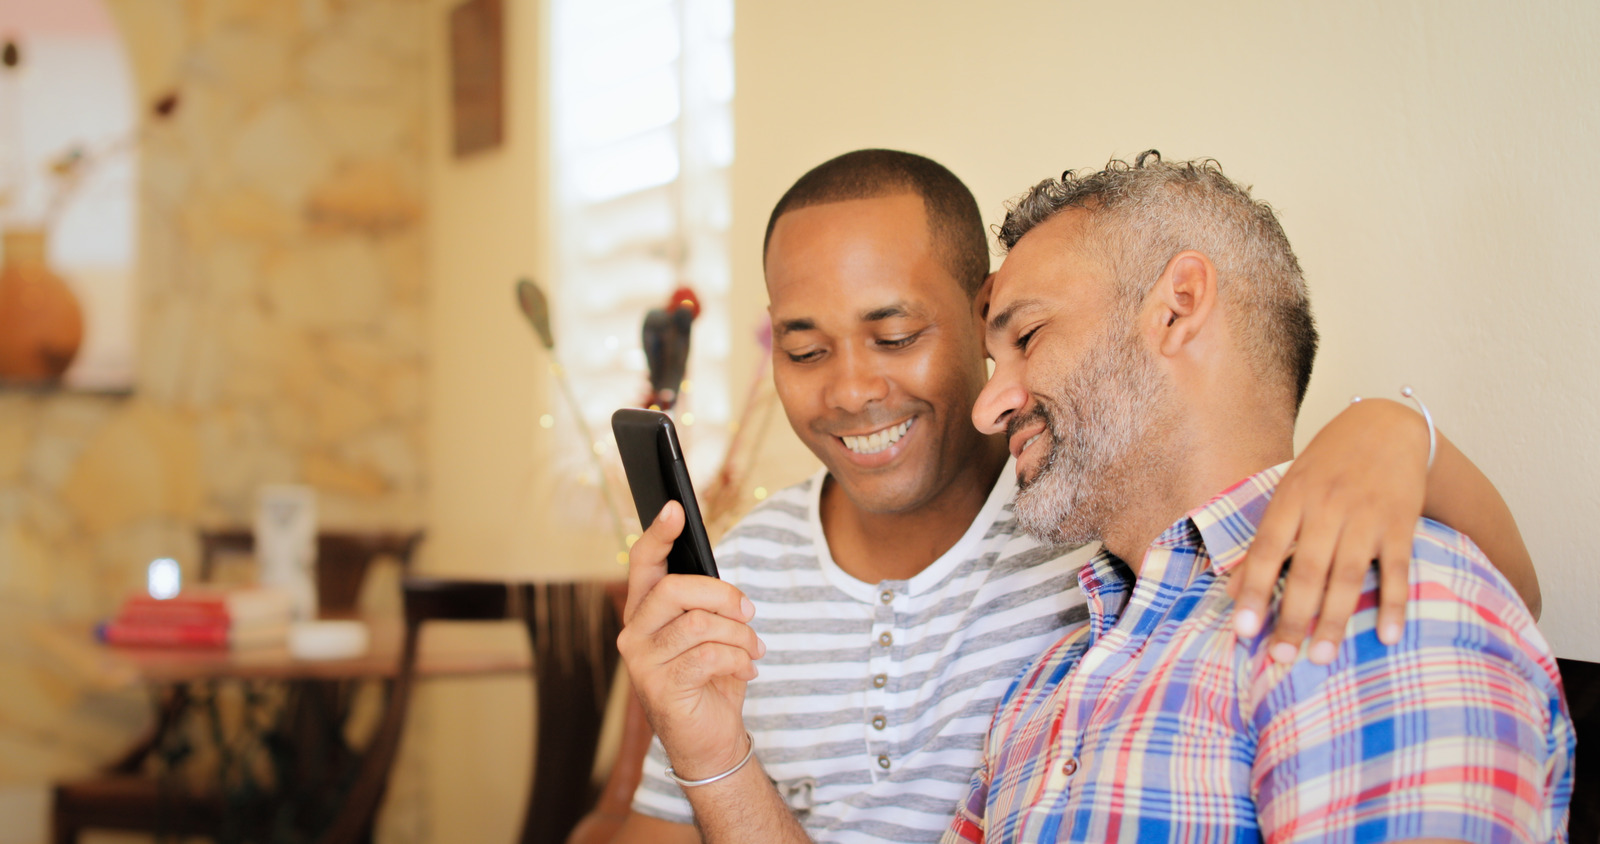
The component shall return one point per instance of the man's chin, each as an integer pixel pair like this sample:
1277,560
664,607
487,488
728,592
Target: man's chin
878,492
1052,531
1054,512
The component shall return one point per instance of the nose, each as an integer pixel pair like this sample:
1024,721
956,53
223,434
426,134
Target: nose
1001,397
856,382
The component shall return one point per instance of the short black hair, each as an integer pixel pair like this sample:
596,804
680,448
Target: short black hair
954,224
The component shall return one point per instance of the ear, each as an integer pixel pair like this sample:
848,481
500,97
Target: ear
1183,301
980,299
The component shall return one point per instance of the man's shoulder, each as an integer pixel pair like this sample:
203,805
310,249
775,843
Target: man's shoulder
791,504
1458,603
781,526
1469,693
1447,569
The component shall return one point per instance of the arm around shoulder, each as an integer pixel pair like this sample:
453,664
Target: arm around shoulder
1458,731
1461,496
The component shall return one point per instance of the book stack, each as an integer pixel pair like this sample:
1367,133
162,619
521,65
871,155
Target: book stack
203,618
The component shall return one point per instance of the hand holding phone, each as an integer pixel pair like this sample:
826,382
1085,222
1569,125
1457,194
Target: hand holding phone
653,460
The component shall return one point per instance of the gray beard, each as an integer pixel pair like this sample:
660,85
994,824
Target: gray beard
1100,425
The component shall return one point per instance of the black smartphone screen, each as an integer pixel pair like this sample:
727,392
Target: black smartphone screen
657,474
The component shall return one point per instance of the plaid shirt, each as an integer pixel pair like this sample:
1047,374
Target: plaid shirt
1174,729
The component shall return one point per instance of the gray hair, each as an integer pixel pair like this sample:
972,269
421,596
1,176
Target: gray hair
1145,213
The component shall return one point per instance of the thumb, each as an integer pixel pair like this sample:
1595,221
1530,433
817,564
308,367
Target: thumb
647,559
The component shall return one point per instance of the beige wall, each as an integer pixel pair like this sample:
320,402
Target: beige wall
472,740
1431,162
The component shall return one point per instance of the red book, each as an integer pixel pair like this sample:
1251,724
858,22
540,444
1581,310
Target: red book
215,634
205,605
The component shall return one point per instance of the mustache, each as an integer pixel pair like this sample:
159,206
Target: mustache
1035,414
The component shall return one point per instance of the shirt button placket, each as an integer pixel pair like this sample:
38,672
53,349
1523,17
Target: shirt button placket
880,662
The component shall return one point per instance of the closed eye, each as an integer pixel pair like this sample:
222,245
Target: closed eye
804,357
1021,342
898,342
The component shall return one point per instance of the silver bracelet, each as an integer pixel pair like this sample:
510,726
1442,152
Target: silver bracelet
1433,435
672,775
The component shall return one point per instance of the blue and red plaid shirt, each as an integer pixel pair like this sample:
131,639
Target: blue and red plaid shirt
1157,723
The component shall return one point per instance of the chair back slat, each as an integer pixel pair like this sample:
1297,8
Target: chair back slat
572,630
434,599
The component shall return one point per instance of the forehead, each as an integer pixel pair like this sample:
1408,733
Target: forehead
858,249
1053,266
1052,270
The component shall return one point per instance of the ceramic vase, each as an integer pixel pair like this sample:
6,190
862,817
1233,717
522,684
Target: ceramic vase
41,323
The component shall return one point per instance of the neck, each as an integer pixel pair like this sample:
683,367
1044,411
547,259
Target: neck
1195,464
872,546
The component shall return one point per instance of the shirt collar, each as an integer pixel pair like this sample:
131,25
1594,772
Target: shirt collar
1227,523
1224,527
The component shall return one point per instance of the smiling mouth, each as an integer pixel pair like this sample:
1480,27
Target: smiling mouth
1018,426
877,440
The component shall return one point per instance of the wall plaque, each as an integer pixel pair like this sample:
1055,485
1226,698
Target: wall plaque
477,75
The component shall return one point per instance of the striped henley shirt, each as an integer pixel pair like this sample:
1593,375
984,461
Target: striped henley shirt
874,698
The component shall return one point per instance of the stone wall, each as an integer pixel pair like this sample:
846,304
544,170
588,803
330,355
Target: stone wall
281,335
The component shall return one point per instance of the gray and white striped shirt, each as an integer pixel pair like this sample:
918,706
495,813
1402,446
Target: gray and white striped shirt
874,698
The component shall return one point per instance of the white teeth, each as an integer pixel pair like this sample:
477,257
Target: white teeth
878,440
1031,440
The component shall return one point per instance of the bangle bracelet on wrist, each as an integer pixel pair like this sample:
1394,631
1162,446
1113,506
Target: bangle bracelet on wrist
1433,435
672,775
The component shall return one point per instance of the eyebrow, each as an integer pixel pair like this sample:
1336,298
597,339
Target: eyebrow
998,322
897,309
892,311
790,326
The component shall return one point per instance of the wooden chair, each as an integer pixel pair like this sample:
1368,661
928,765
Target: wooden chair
1581,682
572,629
123,798
616,796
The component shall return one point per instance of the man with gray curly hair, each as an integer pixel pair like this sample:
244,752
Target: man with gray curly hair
1144,212
1152,341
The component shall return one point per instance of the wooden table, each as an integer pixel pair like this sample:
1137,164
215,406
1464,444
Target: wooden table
444,652
311,704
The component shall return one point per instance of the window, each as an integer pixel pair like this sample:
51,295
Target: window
643,137
71,52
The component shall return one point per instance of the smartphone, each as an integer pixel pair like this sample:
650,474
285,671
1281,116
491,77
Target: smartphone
657,474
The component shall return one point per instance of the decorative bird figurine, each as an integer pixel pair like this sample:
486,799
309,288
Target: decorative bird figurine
665,337
537,309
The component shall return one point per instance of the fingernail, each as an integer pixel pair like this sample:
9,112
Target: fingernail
1246,623
761,649
1389,633
1284,652
1323,652
747,608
